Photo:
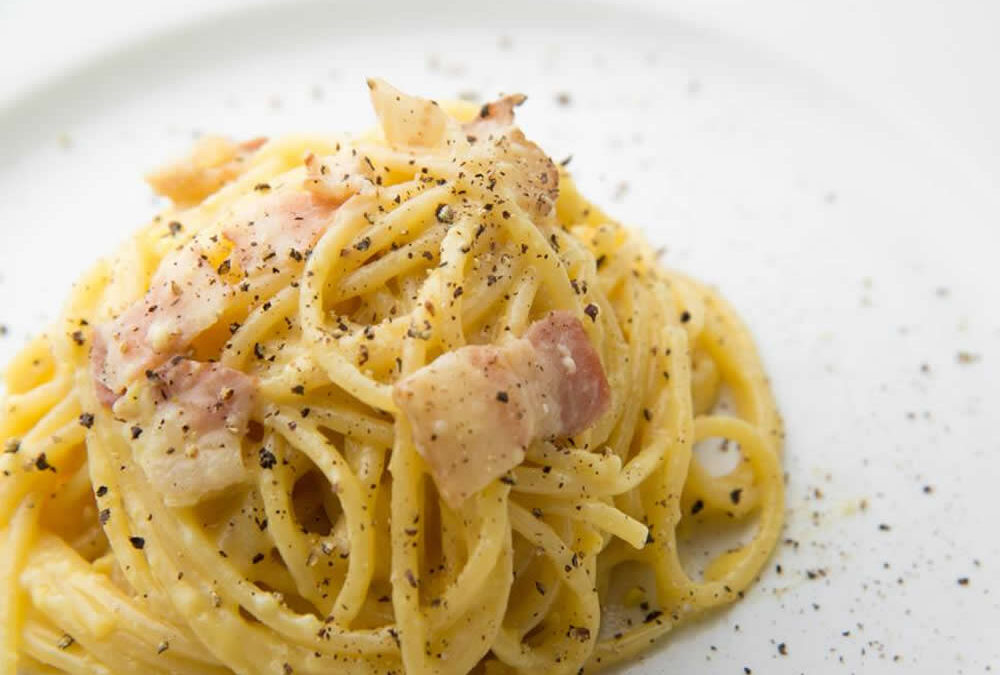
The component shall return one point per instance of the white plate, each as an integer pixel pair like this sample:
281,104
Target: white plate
862,260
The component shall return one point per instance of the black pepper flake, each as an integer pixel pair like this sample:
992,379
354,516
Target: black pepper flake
138,543
78,338
963,581
685,316
458,292
783,649
101,491
288,670
653,616
262,187
735,495
103,516
540,587
267,459
697,507
299,390
507,479
42,464
580,633
224,267
410,579
364,244
502,396
484,112
884,527
258,351
565,162
162,647
444,213
601,260
66,641
174,228
86,420
136,432
591,310
647,415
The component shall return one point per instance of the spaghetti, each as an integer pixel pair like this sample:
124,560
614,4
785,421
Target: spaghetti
210,464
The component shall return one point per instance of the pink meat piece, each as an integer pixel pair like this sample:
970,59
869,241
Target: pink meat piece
474,411
580,392
278,229
408,121
188,296
533,176
201,412
208,396
185,298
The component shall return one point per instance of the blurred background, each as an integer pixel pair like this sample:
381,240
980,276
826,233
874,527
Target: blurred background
832,166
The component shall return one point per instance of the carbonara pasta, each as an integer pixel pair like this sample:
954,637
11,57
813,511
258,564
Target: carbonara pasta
397,403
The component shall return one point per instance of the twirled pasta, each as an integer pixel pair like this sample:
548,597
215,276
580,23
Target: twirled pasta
330,549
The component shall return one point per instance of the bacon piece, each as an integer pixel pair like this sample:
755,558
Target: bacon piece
200,414
474,411
187,294
534,177
278,228
212,162
407,120
209,396
186,297
339,177
575,383
490,140
494,118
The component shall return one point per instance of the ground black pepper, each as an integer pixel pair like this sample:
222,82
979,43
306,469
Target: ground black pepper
42,464
267,459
